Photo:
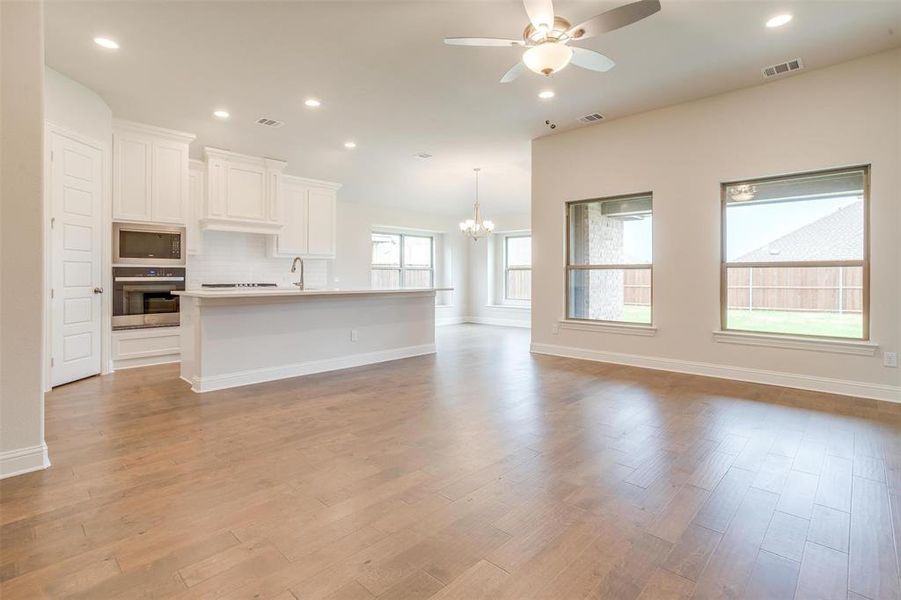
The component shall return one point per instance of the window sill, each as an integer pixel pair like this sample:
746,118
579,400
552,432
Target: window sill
511,306
855,347
605,327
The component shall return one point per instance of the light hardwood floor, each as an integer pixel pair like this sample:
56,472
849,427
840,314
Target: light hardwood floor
482,472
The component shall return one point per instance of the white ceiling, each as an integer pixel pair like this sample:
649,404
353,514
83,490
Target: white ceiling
388,82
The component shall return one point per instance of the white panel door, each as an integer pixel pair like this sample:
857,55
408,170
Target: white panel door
168,190
321,220
76,173
292,239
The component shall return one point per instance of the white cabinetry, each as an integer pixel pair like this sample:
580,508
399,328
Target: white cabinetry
141,347
150,173
242,193
196,195
308,210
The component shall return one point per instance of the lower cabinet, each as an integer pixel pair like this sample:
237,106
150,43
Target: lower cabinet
142,347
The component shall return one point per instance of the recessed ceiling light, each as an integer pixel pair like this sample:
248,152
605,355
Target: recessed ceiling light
106,43
312,102
546,94
423,155
350,144
779,20
221,114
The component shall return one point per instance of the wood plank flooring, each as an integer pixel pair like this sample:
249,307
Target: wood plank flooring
482,472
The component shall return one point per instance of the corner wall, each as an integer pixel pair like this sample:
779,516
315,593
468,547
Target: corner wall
847,114
22,447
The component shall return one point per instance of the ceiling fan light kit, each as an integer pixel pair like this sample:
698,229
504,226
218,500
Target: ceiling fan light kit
547,58
547,37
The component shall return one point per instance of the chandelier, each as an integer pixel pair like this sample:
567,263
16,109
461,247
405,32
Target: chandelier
476,228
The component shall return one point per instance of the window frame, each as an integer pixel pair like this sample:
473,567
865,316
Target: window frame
864,264
508,268
401,268
568,266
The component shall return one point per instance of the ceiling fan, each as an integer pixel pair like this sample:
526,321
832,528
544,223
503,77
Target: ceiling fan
547,36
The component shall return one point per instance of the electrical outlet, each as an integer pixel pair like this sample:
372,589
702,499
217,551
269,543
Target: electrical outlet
890,359
555,329
353,335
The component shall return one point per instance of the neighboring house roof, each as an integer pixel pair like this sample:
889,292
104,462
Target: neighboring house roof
837,236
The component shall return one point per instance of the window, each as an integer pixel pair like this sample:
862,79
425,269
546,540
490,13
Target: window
608,259
518,268
795,254
402,261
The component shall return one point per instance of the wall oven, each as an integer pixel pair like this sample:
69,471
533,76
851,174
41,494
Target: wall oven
142,296
157,245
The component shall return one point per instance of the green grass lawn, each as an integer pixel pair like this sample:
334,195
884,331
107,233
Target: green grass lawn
776,321
797,323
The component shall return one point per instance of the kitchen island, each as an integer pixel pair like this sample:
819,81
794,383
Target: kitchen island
236,337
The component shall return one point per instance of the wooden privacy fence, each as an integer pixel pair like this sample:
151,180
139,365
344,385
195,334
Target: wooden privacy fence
814,289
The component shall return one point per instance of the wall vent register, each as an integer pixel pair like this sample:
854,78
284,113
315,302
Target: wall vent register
267,122
782,68
592,118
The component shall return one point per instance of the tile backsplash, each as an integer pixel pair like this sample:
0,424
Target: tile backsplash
229,257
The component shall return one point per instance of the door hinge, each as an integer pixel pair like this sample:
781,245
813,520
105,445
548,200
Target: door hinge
51,156
52,294
52,222
52,361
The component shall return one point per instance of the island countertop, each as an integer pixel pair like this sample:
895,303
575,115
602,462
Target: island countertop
284,292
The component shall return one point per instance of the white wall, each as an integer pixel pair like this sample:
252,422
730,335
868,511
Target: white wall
22,445
483,306
71,105
351,267
847,114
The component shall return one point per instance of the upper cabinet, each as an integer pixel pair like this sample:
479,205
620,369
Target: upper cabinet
242,193
308,210
150,173
196,195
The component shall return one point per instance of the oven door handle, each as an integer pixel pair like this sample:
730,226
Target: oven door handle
149,279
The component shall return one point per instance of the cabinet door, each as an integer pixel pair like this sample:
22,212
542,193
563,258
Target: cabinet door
293,239
321,219
245,192
196,176
169,185
131,172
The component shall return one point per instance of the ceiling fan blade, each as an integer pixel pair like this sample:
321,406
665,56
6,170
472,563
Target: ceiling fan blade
541,13
614,19
591,60
514,72
482,42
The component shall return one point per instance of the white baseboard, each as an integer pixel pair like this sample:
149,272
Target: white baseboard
499,322
239,378
843,387
23,460
145,361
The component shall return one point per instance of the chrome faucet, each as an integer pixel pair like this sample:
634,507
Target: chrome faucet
298,259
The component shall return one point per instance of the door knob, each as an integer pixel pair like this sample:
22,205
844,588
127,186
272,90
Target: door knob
98,290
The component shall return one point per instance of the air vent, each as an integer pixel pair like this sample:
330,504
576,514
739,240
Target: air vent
592,118
266,122
783,68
